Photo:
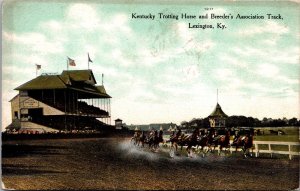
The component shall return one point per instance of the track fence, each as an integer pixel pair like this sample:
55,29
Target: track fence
284,148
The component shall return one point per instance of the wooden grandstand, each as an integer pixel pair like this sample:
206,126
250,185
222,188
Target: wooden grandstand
66,102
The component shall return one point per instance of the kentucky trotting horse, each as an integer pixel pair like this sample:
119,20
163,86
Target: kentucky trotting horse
224,141
153,139
245,142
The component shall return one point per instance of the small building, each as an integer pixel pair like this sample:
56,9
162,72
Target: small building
118,124
217,119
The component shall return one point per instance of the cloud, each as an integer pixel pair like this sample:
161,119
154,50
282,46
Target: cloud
35,42
274,55
288,80
83,16
270,27
231,60
191,72
267,70
117,24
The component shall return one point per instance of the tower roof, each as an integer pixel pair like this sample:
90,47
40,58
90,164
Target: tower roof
218,112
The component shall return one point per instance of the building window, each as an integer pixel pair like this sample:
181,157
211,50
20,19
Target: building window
16,116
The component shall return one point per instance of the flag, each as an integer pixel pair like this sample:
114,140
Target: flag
71,62
38,66
89,58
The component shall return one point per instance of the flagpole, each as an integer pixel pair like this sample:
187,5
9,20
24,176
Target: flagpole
88,61
67,65
217,96
36,70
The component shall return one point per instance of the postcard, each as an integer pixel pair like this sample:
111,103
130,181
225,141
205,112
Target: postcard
150,95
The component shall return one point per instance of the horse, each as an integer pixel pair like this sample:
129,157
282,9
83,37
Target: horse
192,141
248,143
203,141
181,139
224,141
245,142
154,139
142,139
136,137
174,139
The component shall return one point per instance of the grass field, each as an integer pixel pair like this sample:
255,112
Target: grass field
282,138
291,135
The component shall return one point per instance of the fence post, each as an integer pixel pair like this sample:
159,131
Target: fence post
256,149
290,154
270,150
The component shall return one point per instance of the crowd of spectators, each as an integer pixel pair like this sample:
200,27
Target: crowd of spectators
81,108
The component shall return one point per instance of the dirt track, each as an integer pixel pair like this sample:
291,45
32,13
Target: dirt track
113,164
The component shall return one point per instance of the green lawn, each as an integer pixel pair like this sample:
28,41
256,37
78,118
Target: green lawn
283,138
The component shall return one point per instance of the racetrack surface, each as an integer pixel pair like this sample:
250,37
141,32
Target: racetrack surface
113,163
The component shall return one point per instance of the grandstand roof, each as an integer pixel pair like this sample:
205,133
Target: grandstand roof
78,75
218,112
43,82
79,80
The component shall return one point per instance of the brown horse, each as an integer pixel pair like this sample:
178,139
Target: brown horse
175,138
136,138
203,142
142,139
224,142
192,141
244,142
154,139
248,143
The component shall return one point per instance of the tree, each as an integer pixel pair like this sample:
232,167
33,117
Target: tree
293,121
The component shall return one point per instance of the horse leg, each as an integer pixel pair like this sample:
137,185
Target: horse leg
188,151
220,149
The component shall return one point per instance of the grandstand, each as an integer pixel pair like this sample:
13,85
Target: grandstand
67,102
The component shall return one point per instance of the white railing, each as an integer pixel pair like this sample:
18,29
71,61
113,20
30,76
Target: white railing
271,152
257,151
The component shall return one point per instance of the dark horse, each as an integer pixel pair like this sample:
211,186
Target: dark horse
203,142
154,139
248,143
136,138
180,139
245,142
142,139
192,141
223,141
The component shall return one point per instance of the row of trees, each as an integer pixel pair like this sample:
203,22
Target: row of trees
242,121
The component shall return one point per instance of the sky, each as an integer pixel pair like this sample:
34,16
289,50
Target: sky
160,71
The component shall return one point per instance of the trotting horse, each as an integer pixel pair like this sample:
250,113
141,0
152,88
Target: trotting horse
224,141
136,138
154,139
248,143
203,142
192,141
245,142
